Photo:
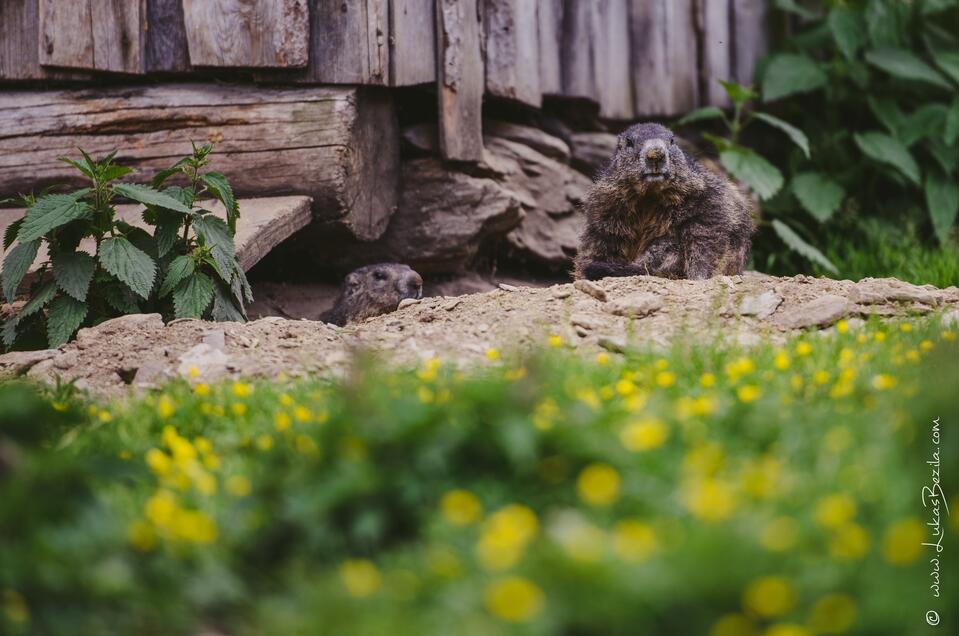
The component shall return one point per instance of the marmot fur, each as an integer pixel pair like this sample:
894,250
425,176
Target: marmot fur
655,210
373,290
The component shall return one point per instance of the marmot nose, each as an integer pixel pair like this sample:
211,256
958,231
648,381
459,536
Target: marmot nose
414,285
655,154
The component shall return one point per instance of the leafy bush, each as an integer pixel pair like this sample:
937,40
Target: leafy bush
688,491
187,267
874,85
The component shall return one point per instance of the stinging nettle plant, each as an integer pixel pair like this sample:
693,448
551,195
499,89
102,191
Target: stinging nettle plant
185,268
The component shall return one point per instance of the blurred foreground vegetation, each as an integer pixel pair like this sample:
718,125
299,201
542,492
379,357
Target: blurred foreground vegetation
705,490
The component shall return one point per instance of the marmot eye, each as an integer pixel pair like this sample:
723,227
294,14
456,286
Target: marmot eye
629,142
379,275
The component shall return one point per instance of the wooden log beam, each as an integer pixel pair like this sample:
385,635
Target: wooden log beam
338,145
460,80
512,50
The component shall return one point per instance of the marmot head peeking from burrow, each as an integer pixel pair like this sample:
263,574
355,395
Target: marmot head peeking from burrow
373,290
655,210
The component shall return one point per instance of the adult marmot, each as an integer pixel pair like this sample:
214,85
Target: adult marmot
373,290
656,210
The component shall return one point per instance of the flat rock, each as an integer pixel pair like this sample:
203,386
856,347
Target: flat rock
591,151
872,291
18,363
821,311
636,305
538,140
761,306
590,288
203,362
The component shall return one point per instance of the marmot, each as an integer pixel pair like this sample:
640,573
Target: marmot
373,290
655,210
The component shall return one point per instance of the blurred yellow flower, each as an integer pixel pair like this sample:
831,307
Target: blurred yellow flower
665,379
461,507
141,536
633,540
158,461
442,561
238,486
513,599
302,414
786,629
905,327
748,393
492,354
555,341
849,542
769,596
425,395
428,371
884,382
781,360
285,399
661,364
739,367
192,372
796,382
625,387
761,477
733,625
704,459
282,421
360,578
205,483
160,508
780,534
842,326
836,510
602,358
643,435
264,442
202,444
879,336
832,614
598,484
165,407
242,390
903,541
820,377
803,349
709,499
306,445
949,335
504,536
707,380
926,345
238,408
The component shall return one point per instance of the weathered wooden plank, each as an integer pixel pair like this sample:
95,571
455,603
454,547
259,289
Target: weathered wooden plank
166,46
512,50
350,42
66,34
550,18
716,46
579,70
247,33
338,145
460,80
611,58
412,42
751,38
665,67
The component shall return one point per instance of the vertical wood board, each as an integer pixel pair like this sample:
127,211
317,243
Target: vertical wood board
460,80
512,50
412,38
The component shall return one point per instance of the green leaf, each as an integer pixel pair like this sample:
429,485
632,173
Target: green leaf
798,137
906,65
927,121
39,299
951,132
179,269
948,61
791,6
149,196
214,232
888,113
884,149
73,272
738,94
51,212
129,264
796,243
753,170
701,114
818,194
10,234
111,173
788,74
186,196
16,265
942,199
121,298
193,296
220,188
9,331
946,156
847,30
165,237
930,7
241,286
224,309
85,166
160,177
64,317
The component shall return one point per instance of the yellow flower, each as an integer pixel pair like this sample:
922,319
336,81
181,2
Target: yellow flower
644,435
748,393
733,625
781,360
192,372
850,542
425,395
625,387
661,364
211,461
360,578
832,614
513,599
842,326
602,358
769,596
903,541
492,354
879,336
555,341
306,445
160,508
821,377
905,327
141,536
429,370
665,379
158,461
703,406
443,562
761,477
238,409
202,390
282,421
739,367
796,382
302,414
633,540
504,536
203,445
884,382
836,510
264,442
912,356
165,407
461,507
846,356
60,407
949,335
803,349
862,338
104,416
285,399
598,484
780,534
711,500
926,345
707,380
786,629
703,460
242,390
238,486
606,393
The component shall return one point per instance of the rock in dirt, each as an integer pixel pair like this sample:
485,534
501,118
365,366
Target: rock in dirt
872,291
538,140
635,305
822,311
591,289
591,151
19,362
761,306
203,362
614,344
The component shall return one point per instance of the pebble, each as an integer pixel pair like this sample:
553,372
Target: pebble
636,305
508,288
406,302
761,306
590,288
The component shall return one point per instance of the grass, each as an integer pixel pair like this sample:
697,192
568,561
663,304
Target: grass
703,490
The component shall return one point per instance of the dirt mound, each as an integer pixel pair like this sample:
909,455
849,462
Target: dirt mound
141,351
